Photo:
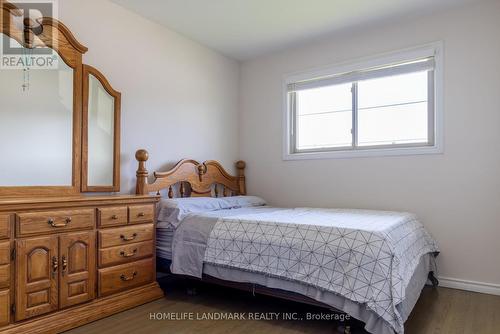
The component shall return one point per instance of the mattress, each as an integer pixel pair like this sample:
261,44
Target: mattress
164,237
165,230
369,258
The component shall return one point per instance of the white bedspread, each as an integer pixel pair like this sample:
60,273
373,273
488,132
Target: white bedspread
366,256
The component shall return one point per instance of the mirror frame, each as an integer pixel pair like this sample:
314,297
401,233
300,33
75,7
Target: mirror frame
87,71
49,32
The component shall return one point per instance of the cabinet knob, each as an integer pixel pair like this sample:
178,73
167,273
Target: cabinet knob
140,214
114,217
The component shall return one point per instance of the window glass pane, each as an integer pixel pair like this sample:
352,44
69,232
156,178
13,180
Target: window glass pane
403,124
324,117
324,99
397,89
393,110
325,130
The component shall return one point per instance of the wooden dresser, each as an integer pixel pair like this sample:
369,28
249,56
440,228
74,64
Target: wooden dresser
66,259
72,260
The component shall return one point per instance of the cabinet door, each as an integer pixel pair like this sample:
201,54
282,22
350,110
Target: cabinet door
77,274
36,276
4,307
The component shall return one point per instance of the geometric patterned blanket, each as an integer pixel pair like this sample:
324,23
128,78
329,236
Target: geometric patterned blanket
364,255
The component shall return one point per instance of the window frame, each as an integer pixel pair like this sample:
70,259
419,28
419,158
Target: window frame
435,107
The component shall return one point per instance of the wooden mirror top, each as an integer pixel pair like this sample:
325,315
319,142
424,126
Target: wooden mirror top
48,32
43,32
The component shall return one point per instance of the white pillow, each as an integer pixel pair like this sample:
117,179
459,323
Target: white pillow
174,210
242,201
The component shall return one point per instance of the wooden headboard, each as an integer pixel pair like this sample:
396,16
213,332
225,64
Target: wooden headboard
207,179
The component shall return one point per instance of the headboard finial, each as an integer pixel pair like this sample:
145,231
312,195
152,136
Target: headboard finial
240,165
142,173
142,155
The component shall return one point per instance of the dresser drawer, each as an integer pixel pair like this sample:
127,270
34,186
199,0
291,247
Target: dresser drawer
4,307
126,253
140,214
4,276
125,276
54,221
114,216
4,226
5,252
125,235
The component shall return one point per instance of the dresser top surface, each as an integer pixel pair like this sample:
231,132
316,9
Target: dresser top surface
76,200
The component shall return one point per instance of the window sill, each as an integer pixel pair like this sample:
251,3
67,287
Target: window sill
360,153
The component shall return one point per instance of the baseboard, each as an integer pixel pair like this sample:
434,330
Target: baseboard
455,283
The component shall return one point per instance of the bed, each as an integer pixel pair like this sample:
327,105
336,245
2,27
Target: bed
369,264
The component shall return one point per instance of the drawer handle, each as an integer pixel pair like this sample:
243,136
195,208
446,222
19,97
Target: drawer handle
114,217
123,254
141,214
124,238
52,223
125,278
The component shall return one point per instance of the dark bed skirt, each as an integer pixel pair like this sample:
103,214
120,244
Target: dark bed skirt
372,322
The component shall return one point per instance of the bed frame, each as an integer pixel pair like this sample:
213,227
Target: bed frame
189,178
195,179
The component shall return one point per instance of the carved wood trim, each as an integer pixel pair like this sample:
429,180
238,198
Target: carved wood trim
201,177
87,71
43,32
61,27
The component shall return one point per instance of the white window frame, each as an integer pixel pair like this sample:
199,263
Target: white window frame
436,132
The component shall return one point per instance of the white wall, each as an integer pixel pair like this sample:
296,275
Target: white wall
456,194
179,99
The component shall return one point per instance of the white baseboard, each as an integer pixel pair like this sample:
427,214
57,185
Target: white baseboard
455,283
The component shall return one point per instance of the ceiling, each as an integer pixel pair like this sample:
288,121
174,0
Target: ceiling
243,29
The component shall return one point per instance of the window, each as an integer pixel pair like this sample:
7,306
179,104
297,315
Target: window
385,106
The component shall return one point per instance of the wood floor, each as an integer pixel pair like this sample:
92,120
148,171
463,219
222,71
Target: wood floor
440,310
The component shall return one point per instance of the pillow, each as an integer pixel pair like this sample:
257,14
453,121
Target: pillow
242,201
173,210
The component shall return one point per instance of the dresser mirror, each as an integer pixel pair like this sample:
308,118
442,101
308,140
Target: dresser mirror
59,118
101,133
36,127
